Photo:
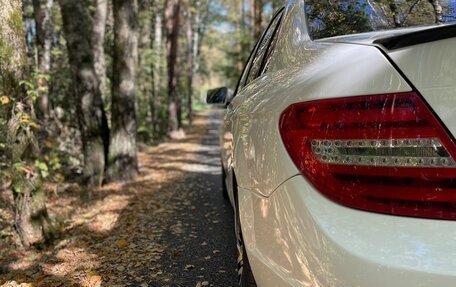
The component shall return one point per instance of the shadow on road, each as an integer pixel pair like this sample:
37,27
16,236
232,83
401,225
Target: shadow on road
171,227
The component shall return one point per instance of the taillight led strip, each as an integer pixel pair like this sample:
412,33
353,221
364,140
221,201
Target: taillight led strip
385,152
382,153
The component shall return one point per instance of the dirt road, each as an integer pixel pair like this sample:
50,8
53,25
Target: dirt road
171,227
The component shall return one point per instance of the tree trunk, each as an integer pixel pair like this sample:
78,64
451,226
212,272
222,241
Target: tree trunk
258,24
30,31
91,115
437,10
396,15
31,220
172,36
179,109
145,79
195,29
242,19
252,18
98,37
190,64
123,163
243,44
276,4
44,28
156,69
180,62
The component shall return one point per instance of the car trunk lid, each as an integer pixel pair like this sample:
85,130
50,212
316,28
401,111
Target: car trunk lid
427,58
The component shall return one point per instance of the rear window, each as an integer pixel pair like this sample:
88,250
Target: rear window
329,18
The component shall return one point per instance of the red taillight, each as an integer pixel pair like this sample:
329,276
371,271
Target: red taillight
382,153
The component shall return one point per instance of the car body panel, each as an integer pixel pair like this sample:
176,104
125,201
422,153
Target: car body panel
226,140
257,108
299,71
297,237
434,75
294,236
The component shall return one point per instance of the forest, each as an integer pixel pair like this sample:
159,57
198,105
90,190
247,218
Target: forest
83,81
86,85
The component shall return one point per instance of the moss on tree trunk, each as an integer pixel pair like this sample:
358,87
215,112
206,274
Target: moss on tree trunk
31,219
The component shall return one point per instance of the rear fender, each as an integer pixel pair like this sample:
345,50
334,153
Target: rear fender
329,70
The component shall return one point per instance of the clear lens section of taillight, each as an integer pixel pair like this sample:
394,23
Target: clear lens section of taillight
391,153
383,153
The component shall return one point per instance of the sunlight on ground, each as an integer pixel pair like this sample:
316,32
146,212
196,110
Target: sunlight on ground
202,168
114,231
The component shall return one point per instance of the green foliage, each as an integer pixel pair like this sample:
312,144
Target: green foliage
43,168
15,22
409,12
6,51
33,87
58,137
327,19
237,58
17,125
228,43
60,80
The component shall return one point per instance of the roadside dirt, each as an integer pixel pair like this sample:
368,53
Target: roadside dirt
170,227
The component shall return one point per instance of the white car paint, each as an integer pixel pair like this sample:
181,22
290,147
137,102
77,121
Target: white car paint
434,75
293,235
297,237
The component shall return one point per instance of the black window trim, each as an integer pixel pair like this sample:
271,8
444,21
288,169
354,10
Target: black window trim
276,15
274,33
248,65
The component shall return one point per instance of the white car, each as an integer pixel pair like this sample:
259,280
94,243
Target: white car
339,152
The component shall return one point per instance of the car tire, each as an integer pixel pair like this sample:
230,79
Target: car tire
224,188
245,275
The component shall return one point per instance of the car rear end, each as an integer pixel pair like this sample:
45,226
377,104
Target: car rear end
374,203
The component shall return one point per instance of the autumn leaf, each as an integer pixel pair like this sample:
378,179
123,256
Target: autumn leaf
4,100
189,266
59,177
34,125
25,119
122,243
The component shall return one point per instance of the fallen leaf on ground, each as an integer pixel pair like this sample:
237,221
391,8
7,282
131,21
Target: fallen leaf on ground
189,266
122,243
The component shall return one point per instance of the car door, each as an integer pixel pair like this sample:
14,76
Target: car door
256,65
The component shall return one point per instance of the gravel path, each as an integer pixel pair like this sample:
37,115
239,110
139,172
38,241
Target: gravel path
170,227
202,232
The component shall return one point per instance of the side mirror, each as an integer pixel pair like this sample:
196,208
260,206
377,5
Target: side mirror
219,96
